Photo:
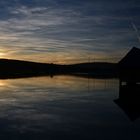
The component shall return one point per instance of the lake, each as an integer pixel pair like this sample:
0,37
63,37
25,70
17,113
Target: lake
63,107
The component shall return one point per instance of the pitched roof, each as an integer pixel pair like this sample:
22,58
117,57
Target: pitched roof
132,58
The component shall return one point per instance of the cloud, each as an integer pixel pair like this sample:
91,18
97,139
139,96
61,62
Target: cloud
23,10
64,29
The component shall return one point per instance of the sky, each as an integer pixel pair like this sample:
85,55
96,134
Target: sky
68,31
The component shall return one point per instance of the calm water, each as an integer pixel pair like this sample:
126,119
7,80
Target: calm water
63,107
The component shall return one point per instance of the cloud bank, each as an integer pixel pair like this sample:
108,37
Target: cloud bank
61,31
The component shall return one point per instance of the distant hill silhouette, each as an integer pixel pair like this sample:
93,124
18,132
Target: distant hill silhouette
10,68
128,69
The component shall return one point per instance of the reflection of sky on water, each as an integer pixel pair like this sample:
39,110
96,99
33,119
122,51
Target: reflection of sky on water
63,105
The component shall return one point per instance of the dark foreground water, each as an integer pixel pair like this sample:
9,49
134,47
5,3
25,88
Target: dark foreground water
65,108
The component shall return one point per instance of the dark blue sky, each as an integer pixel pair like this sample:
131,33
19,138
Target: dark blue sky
66,30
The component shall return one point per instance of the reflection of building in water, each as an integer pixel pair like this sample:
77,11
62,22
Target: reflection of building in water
129,100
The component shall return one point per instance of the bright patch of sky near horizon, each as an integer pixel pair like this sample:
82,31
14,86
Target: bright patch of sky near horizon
66,31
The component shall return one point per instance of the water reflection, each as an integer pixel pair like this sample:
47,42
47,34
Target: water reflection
129,100
62,107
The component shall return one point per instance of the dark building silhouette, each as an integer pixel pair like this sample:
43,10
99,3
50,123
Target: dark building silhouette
129,89
129,66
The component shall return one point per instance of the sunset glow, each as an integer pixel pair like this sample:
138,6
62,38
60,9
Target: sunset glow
67,32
